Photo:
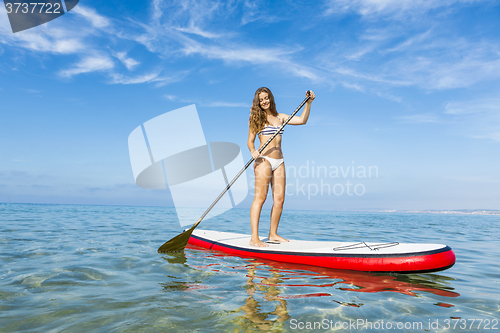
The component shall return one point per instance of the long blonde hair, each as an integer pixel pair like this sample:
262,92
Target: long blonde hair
258,117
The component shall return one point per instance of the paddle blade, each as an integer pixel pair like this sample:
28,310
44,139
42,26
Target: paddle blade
179,242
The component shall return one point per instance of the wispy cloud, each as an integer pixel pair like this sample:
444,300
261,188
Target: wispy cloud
33,91
189,16
430,59
234,53
121,79
194,30
210,104
350,72
156,9
495,136
419,38
488,105
353,86
238,54
128,62
187,21
478,118
38,41
227,104
419,119
89,64
257,11
170,97
475,63
379,58
395,8
92,16
479,179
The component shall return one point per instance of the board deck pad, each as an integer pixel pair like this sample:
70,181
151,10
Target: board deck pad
360,256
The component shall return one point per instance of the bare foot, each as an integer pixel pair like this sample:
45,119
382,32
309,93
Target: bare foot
277,238
258,243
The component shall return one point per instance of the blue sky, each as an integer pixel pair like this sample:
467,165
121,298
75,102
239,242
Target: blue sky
409,88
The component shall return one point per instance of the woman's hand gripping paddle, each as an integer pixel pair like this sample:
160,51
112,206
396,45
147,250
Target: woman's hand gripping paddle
179,242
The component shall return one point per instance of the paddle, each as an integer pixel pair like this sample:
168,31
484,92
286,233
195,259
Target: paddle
179,242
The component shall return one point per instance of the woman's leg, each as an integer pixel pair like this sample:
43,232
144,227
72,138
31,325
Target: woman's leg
263,174
278,186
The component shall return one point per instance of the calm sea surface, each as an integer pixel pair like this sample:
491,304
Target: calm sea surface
75,268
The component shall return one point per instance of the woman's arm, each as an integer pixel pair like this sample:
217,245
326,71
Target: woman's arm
302,119
251,143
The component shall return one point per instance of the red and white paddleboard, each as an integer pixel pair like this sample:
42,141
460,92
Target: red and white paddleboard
358,256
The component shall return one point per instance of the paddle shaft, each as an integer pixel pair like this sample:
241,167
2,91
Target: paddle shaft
250,162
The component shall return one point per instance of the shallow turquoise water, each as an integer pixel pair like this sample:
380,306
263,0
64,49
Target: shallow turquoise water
75,268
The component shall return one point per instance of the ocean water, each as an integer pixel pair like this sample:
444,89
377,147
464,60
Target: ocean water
76,268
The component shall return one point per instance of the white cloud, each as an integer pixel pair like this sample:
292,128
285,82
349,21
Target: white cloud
412,40
213,104
356,55
89,64
38,41
421,52
256,10
121,79
197,31
495,136
419,119
353,86
156,9
472,107
33,91
174,77
429,59
378,57
480,179
478,118
170,97
58,36
128,62
228,104
189,16
167,37
189,19
395,8
464,72
234,53
91,15
155,77
380,78
301,71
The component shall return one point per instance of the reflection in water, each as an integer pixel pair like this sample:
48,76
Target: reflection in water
173,285
175,257
271,294
275,283
407,284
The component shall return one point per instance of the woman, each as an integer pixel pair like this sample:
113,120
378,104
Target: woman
269,167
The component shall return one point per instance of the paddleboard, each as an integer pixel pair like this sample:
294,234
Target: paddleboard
393,257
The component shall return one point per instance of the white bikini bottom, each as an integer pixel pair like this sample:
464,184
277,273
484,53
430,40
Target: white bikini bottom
275,162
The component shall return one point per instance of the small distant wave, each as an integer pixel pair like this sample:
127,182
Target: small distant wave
461,212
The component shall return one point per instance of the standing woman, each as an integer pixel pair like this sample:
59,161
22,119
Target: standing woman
269,166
